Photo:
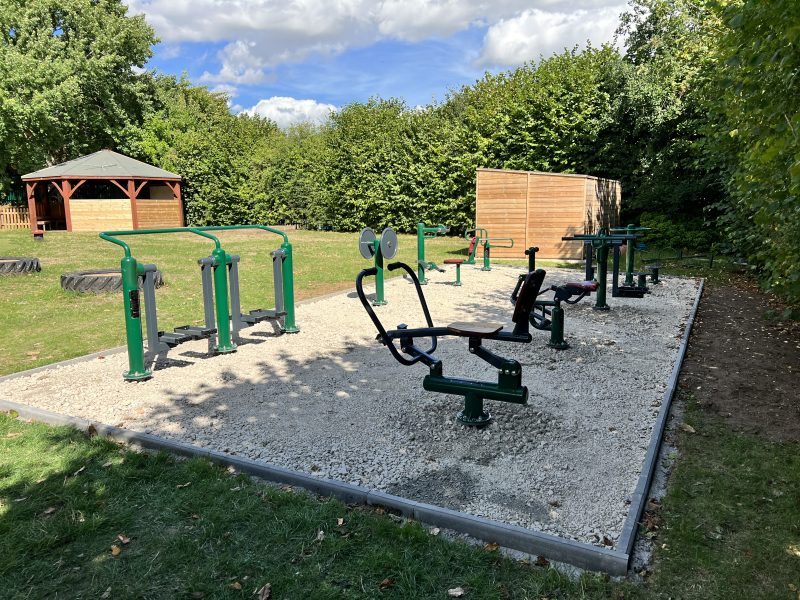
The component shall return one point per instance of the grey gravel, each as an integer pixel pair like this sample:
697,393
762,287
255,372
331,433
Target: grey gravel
331,401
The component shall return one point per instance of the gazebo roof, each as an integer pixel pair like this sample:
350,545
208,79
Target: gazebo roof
104,164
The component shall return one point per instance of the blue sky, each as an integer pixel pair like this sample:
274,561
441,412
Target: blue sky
295,60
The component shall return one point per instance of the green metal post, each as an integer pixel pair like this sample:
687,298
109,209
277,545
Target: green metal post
224,342
420,254
557,328
133,320
473,413
531,252
630,255
379,299
458,275
486,263
287,272
654,275
602,271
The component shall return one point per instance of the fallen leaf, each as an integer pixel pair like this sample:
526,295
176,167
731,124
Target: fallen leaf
687,428
195,516
183,485
340,521
237,488
792,587
541,561
79,471
435,531
456,592
124,539
115,550
236,585
607,541
108,464
91,430
33,355
265,593
20,499
320,535
106,594
12,435
49,511
386,583
491,547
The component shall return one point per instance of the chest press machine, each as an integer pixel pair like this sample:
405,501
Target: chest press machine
509,386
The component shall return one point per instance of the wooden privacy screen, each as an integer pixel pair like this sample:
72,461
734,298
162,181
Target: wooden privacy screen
538,209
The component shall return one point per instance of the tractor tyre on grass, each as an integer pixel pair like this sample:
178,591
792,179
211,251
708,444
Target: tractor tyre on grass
100,281
14,265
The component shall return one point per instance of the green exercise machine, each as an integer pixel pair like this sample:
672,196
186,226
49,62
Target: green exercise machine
372,247
548,315
480,237
509,386
424,233
633,243
219,277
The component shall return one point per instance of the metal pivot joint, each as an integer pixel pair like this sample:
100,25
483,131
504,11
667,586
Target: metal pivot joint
424,233
377,249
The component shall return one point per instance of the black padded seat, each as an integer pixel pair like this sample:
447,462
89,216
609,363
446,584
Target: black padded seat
474,329
585,286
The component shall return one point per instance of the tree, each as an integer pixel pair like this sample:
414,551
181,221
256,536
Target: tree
67,79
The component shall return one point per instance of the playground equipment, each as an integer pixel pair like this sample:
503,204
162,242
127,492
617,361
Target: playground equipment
509,386
220,283
378,249
550,315
424,233
479,237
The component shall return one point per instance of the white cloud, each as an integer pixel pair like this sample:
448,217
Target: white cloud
261,34
537,32
287,111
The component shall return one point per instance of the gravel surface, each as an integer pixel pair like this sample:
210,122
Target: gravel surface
331,401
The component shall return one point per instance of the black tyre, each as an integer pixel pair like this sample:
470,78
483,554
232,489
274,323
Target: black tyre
13,265
100,281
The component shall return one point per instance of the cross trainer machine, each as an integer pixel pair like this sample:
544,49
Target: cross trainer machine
509,386
479,237
628,289
220,284
548,315
376,249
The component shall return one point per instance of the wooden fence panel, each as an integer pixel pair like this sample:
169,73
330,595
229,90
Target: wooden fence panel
14,217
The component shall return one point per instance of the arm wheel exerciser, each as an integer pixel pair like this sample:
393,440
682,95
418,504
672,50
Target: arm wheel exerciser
509,386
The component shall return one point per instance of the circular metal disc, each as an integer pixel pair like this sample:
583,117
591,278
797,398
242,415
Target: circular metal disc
365,239
388,243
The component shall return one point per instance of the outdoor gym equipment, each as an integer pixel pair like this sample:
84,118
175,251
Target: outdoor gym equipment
424,233
218,272
479,237
628,289
599,243
371,247
550,315
509,386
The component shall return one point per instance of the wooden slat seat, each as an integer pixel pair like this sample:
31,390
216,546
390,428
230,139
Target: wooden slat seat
474,329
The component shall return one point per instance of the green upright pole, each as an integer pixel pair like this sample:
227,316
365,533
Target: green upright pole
379,301
629,256
602,269
287,272
133,321
486,262
224,342
420,254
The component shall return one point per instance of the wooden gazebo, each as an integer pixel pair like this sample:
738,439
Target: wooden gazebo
79,195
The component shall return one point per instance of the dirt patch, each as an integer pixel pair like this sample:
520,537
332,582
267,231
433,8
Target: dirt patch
742,366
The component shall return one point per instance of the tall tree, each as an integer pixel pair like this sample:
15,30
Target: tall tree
68,83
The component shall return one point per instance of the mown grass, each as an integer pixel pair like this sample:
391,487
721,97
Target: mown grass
731,517
196,531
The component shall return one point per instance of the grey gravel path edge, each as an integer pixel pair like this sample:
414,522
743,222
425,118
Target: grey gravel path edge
585,556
